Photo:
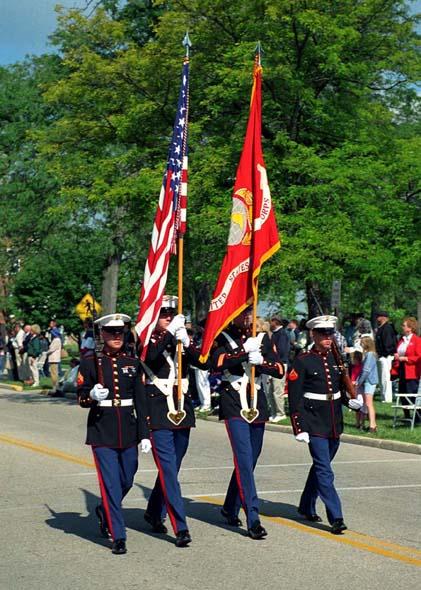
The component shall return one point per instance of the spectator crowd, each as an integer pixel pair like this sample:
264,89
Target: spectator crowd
377,356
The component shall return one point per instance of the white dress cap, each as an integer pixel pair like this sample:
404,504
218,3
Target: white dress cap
113,320
322,322
169,301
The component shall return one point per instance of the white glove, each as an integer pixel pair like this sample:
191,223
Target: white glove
145,445
251,345
98,392
303,437
177,322
182,336
356,404
255,357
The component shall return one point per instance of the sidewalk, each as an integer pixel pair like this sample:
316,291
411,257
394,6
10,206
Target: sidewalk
380,443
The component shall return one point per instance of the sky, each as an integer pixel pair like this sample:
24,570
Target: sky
26,24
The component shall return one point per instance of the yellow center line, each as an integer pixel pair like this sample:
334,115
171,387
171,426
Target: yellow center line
376,541
344,539
363,544
46,451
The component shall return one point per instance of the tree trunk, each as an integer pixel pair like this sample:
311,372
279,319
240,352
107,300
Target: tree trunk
202,302
419,314
110,284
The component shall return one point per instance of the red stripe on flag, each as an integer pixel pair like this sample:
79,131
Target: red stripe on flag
170,221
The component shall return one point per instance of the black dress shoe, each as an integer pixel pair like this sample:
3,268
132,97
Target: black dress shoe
231,520
311,517
256,531
102,521
182,539
157,524
338,526
119,547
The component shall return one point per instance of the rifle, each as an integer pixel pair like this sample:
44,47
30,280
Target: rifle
346,382
91,309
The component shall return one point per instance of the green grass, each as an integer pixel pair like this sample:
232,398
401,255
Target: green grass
384,419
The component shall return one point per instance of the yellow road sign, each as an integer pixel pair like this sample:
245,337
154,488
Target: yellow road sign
86,306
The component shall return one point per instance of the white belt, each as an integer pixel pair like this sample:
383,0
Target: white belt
324,397
116,402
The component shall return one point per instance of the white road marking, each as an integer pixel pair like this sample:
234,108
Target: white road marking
299,490
267,466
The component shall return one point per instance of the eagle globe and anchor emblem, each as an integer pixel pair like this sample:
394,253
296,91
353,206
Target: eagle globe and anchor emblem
241,218
242,212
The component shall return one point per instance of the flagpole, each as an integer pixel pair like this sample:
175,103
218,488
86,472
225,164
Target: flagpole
180,250
257,63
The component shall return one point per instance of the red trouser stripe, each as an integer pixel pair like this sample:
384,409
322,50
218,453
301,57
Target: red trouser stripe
164,489
237,470
104,496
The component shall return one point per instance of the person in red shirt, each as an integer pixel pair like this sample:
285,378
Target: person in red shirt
407,359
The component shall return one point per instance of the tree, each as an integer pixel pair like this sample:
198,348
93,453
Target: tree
41,248
340,137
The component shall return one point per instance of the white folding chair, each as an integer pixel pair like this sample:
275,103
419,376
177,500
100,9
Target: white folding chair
410,402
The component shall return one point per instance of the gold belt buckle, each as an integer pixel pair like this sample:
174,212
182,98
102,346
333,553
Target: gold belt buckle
329,397
116,402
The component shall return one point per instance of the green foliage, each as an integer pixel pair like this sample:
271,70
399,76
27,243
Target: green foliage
340,135
51,282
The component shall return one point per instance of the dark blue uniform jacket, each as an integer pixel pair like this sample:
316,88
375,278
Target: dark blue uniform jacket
223,357
116,426
315,372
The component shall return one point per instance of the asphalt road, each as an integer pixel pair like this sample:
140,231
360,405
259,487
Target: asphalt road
48,491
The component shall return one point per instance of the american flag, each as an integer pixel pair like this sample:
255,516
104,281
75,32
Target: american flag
170,220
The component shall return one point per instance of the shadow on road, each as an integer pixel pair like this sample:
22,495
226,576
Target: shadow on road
86,527
73,523
289,512
210,513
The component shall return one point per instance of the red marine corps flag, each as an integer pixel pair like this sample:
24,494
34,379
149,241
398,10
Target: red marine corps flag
253,236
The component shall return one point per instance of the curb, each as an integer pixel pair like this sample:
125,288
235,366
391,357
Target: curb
19,389
10,387
382,443
379,443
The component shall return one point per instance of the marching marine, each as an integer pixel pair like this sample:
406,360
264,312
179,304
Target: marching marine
110,385
170,417
316,396
234,353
